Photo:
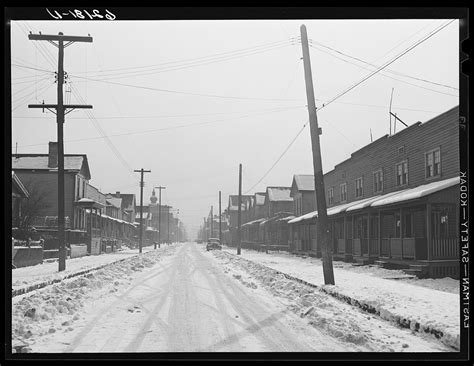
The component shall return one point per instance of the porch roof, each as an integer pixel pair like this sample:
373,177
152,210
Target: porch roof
367,203
254,222
417,192
342,208
308,216
287,218
89,202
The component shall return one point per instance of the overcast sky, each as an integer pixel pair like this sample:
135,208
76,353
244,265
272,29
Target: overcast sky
190,100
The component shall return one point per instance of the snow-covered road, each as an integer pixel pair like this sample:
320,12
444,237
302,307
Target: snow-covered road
183,299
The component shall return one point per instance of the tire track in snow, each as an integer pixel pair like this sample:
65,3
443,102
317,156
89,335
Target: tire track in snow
138,340
276,338
104,311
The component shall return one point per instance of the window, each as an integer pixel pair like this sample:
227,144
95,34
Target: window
343,192
378,181
78,180
433,163
402,173
331,196
359,188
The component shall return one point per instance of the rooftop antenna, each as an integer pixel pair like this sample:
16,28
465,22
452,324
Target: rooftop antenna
16,148
390,113
371,140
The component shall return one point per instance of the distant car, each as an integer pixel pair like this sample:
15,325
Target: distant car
213,243
199,241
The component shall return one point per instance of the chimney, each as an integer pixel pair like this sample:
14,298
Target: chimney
53,155
117,194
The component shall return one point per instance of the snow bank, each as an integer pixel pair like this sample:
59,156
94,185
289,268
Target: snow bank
411,304
56,307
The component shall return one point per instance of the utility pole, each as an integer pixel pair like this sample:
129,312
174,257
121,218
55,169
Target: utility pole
212,226
239,216
220,219
61,111
159,217
169,213
322,226
142,171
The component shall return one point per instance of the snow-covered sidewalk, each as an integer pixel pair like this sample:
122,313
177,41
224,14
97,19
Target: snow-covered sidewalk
425,306
27,278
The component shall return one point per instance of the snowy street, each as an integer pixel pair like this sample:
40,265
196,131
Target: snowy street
181,298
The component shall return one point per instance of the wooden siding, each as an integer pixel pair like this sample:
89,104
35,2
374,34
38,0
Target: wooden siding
46,183
442,132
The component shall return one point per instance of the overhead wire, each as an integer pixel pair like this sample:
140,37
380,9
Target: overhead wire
438,29
386,64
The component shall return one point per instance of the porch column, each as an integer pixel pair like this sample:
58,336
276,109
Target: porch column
428,231
401,230
380,233
368,234
345,233
89,242
352,239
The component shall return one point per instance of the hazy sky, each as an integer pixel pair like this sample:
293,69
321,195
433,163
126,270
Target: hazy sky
190,100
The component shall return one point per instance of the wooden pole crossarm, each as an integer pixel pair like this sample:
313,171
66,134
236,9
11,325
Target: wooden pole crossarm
57,37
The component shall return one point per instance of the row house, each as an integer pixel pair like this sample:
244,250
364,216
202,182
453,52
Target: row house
233,212
86,221
302,227
269,227
396,200
19,194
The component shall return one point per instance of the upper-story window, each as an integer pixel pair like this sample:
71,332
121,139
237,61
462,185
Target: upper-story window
402,173
378,181
343,192
359,187
331,196
433,163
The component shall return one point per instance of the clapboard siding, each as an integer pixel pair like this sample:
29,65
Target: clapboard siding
46,184
440,132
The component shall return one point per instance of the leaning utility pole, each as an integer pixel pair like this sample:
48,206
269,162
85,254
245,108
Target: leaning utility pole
60,113
212,224
322,226
239,216
220,219
141,205
159,217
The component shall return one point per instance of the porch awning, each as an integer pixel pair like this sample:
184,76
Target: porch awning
284,219
304,217
89,203
342,208
253,222
417,192
367,203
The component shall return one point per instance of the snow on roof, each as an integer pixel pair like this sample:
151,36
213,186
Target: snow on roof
259,198
304,182
287,218
367,203
71,162
114,201
308,216
417,192
279,193
19,185
254,222
341,208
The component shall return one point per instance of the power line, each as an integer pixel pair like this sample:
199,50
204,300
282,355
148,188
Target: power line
279,158
186,93
123,75
98,127
172,127
387,76
195,59
377,66
386,64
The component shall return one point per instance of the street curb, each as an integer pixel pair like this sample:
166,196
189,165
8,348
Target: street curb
29,288
403,322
